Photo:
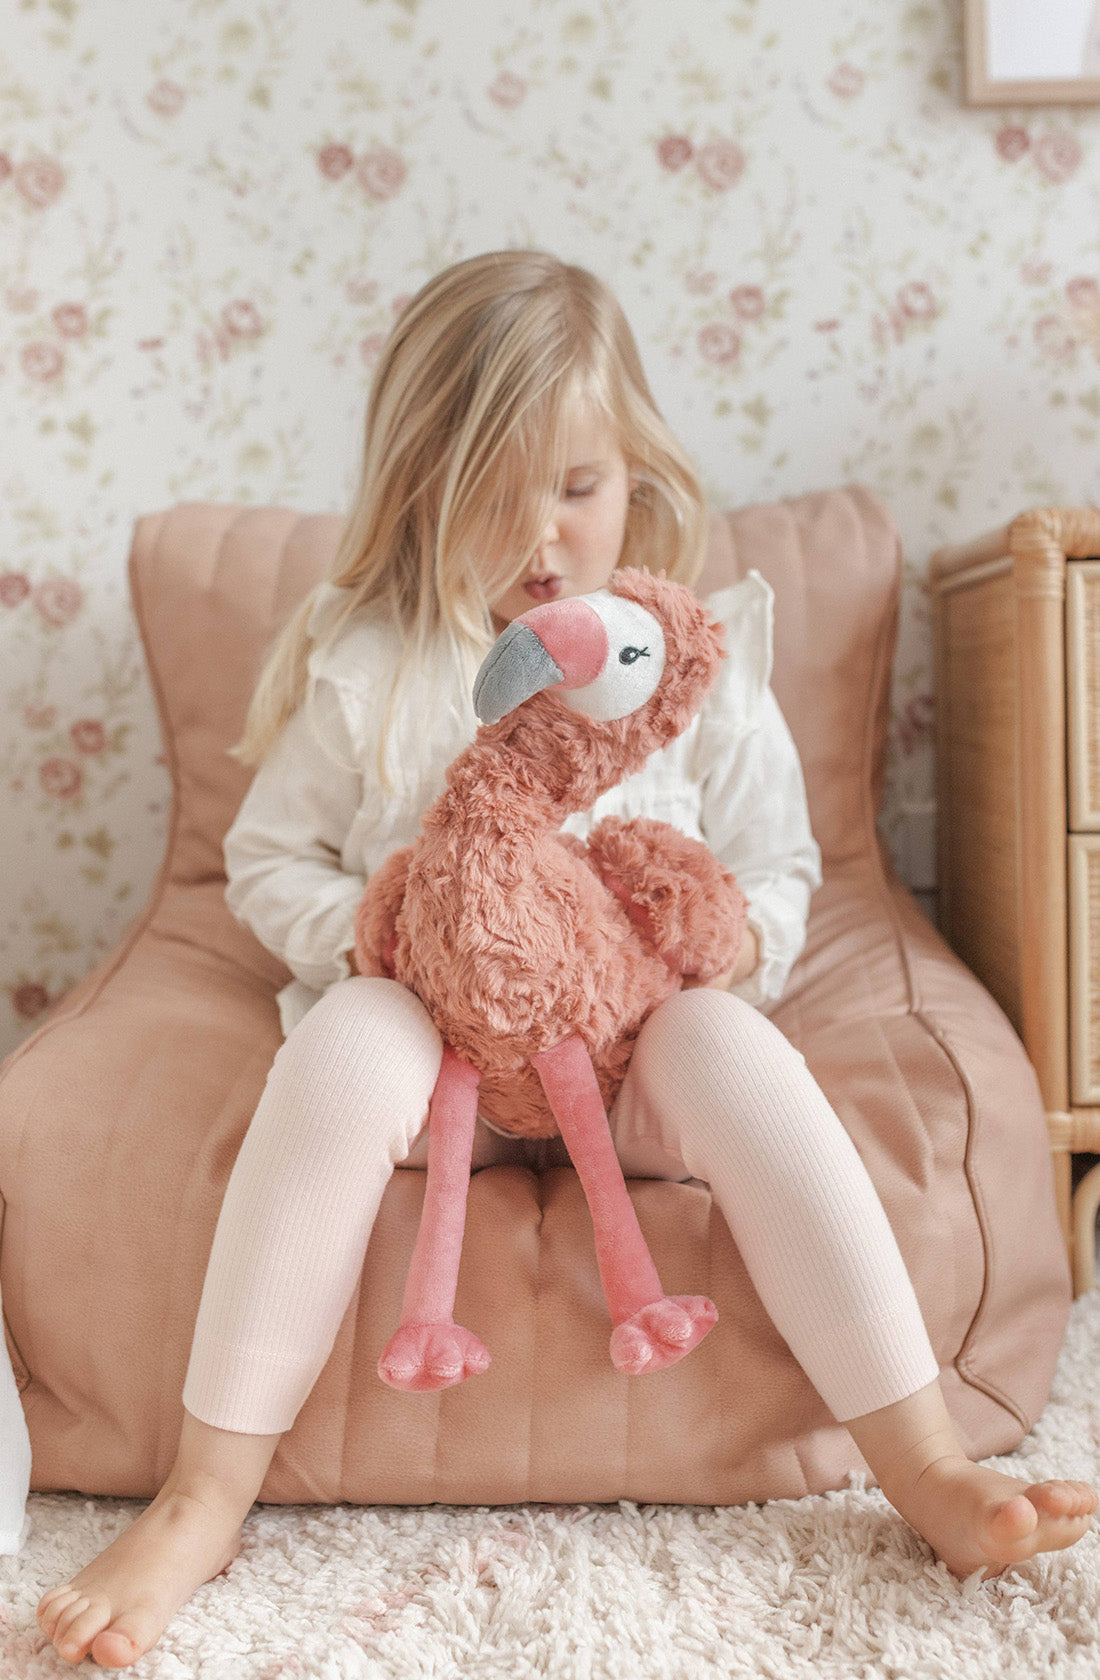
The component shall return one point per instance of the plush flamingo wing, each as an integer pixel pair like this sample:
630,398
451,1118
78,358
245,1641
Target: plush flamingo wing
376,917
574,845
675,890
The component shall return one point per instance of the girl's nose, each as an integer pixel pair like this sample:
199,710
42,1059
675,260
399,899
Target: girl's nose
550,534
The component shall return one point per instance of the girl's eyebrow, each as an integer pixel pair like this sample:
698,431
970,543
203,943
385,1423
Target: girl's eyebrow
586,466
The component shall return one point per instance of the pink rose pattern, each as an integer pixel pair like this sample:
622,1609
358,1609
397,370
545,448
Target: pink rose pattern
42,361
847,80
166,98
88,735
507,90
720,344
748,302
39,181
61,777
1057,155
674,151
335,160
71,320
58,600
721,163
381,172
14,587
241,319
737,210
1012,142
39,717
1083,291
21,299
916,300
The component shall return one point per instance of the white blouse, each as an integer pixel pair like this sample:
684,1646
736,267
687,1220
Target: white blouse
316,822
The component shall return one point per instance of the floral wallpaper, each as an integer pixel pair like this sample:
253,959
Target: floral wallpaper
210,211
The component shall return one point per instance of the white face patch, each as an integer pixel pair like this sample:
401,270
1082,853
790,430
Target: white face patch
635,660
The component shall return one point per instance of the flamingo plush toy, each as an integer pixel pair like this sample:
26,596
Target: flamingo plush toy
538,956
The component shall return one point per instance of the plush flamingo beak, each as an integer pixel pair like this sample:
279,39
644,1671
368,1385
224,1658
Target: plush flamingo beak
559,644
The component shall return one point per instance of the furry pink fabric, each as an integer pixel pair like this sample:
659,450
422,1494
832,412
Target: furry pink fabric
515,936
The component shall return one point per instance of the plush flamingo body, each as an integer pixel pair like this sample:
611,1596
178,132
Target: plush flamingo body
538,956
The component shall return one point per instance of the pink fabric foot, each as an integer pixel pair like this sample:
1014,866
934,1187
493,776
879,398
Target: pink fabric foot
426,1356
661,1333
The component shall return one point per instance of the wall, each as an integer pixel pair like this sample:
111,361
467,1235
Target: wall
209,212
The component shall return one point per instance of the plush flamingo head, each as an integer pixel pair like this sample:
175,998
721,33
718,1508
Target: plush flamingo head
634,660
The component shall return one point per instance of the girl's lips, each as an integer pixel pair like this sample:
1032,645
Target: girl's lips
546,591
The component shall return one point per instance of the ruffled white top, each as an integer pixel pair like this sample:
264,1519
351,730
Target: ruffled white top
316,821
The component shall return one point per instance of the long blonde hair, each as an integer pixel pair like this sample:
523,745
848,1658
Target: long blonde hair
464,454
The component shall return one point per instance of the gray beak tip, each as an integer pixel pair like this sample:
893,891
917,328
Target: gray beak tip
515,667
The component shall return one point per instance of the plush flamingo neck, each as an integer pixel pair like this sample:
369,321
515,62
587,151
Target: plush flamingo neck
543,762
503,787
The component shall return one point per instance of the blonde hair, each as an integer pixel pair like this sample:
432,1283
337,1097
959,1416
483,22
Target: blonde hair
464,455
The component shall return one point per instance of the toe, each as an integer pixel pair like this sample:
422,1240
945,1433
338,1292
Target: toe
1013,1520
73,1640
1053,1499
120,1645
1088,1497
1063,1499
71,1613
51,1605
54,1594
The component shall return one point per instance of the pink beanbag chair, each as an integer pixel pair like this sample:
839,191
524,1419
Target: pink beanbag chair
121,1116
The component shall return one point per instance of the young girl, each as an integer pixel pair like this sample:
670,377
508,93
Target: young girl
514,454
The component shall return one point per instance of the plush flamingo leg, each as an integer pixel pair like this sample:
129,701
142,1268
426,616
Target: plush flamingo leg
652,1329
428,1349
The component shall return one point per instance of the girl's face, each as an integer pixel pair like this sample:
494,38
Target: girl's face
581,543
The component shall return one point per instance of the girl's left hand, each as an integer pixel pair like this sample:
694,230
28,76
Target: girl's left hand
747,958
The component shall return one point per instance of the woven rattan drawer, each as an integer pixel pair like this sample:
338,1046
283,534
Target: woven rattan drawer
1083,695
1016,614
1084,959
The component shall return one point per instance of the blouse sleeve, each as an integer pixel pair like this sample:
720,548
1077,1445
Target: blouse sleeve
283,850
756,822
754,815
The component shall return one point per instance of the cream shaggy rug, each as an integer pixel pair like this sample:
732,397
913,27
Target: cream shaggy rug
831,1586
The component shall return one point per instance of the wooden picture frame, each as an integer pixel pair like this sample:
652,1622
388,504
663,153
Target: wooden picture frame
1006,38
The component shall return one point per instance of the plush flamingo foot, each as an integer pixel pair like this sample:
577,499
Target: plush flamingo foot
425,1356
661,1333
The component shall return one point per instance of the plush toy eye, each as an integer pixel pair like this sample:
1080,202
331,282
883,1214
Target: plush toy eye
635,660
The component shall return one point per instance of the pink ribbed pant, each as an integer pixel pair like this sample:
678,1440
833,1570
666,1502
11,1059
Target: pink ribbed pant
714,1091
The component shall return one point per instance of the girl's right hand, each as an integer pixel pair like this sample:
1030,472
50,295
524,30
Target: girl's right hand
748,955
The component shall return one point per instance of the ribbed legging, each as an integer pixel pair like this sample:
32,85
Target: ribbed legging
714,1091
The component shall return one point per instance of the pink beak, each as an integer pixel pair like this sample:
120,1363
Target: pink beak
558,644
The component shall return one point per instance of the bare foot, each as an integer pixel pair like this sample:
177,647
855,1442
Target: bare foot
119,1605
975,1518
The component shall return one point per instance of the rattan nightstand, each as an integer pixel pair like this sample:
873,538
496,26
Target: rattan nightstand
1016,618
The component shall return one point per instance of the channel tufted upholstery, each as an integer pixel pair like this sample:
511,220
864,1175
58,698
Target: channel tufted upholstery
121,1116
